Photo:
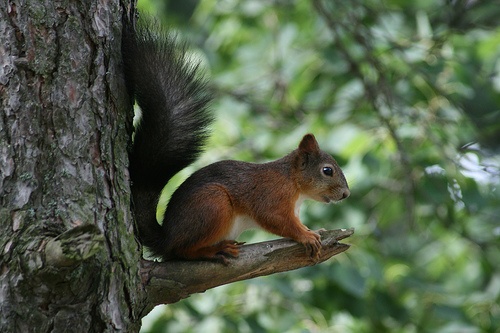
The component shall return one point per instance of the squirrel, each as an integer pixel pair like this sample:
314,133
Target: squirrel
207,213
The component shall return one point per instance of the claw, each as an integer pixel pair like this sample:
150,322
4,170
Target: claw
312,244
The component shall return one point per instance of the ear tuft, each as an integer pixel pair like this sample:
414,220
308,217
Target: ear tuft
309,144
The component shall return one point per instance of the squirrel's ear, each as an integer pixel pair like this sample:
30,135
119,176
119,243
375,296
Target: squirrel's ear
309,144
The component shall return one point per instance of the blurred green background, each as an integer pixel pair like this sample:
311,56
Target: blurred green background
406,96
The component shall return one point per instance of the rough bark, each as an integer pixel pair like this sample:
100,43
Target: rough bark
69,259
63,168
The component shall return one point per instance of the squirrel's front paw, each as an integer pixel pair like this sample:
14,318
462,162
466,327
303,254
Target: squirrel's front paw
312,242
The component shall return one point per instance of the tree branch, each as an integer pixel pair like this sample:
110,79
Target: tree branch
169,282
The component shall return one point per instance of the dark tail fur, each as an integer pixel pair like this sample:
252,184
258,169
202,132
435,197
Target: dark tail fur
173,98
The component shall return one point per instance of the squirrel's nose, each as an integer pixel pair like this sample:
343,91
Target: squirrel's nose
346,193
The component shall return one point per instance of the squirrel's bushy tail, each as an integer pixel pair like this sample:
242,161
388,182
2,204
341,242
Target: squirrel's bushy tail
173,98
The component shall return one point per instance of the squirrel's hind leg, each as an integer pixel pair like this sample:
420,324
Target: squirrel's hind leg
219,252
214,217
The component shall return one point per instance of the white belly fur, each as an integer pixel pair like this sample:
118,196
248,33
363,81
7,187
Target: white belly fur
298,203
240,224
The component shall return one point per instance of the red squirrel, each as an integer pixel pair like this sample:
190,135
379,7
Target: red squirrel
207,213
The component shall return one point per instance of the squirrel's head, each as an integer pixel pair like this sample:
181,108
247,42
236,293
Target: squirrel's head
318,174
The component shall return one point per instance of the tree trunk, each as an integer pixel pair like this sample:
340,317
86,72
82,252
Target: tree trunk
63,168
69,259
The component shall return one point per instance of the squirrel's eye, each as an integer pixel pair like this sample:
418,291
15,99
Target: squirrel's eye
328,171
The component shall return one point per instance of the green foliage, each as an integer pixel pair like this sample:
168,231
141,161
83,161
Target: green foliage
406,96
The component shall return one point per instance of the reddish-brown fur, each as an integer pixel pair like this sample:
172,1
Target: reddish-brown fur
203,212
